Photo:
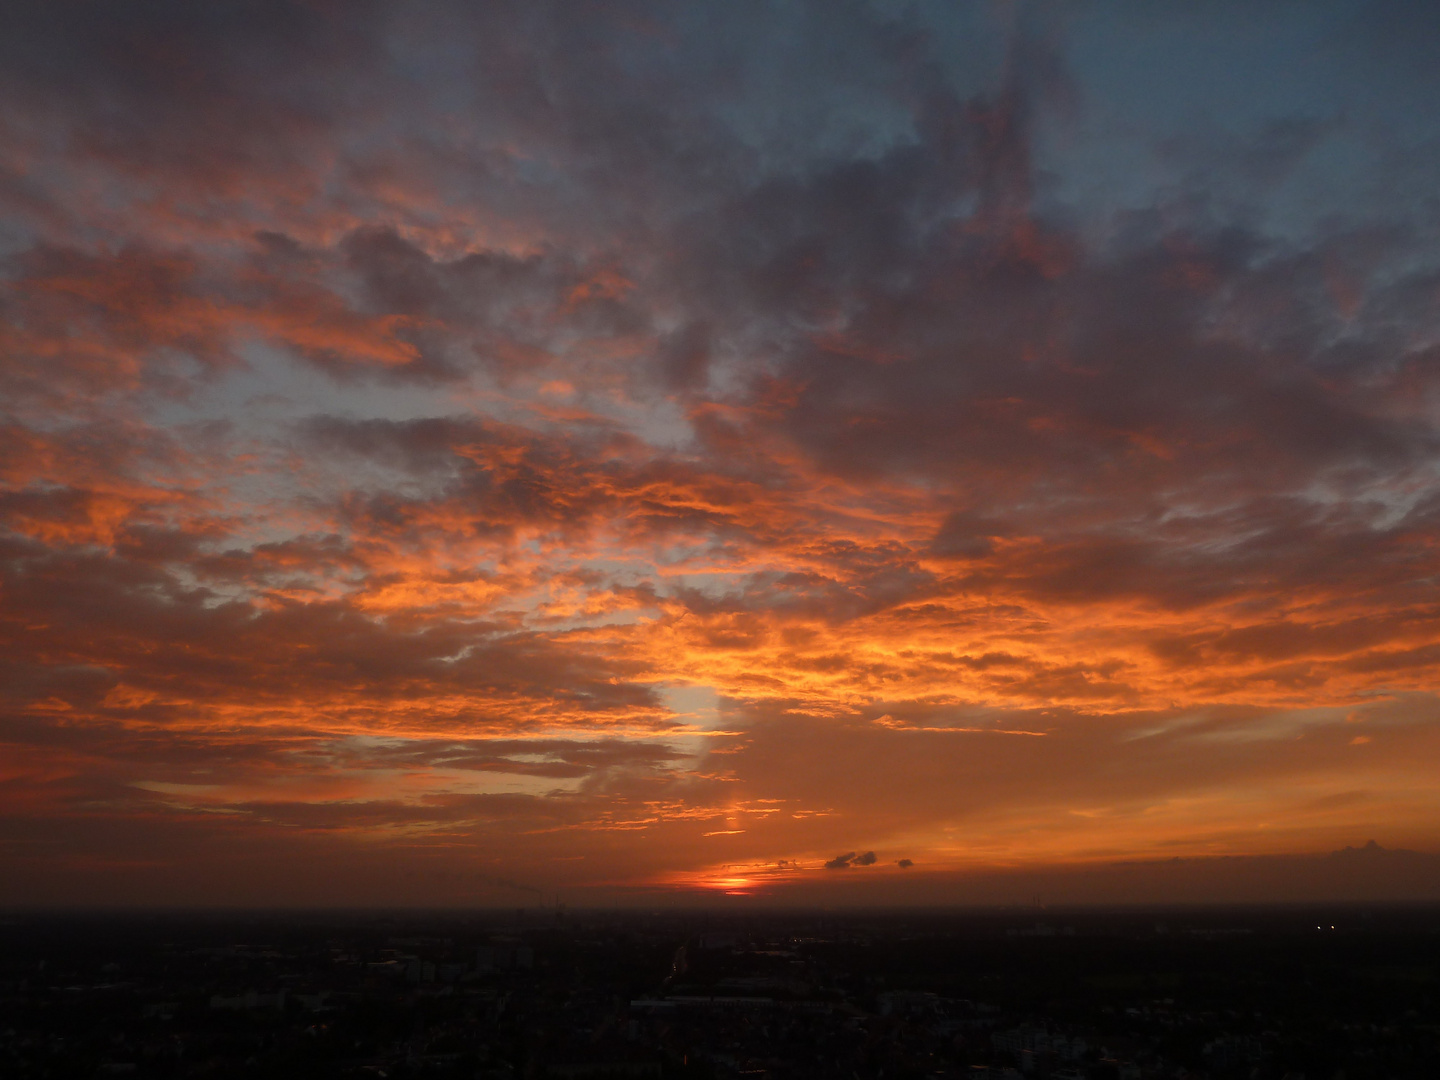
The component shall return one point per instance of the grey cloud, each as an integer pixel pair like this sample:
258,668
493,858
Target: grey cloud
849,859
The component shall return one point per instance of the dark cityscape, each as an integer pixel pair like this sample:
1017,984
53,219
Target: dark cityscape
542,992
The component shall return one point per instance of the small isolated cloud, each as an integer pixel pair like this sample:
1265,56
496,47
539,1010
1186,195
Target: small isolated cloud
849,859
905,864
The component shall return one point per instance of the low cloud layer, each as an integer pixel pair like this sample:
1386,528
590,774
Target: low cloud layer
621,452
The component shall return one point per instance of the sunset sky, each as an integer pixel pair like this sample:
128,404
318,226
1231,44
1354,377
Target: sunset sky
484,453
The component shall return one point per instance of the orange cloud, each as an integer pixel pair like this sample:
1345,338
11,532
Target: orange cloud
528,466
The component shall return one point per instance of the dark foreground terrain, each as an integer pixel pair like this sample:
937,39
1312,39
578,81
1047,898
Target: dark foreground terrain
540,992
